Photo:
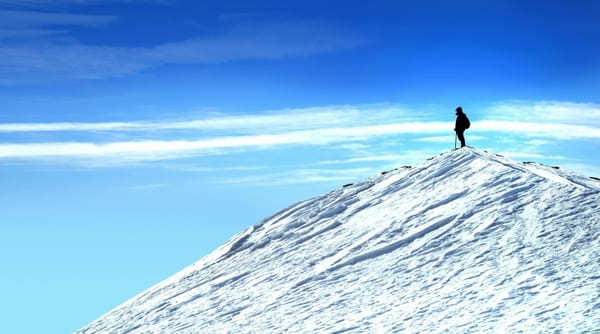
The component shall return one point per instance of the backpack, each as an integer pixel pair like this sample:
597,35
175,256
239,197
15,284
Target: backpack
467,122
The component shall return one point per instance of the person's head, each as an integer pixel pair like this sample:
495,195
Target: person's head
459,110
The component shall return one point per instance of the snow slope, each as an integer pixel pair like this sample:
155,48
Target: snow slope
468,241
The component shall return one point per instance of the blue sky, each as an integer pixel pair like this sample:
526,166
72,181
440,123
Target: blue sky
137,136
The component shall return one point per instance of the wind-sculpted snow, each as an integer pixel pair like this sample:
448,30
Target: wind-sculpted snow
467,242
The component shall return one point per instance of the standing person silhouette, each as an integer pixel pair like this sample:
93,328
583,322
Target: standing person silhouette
462,123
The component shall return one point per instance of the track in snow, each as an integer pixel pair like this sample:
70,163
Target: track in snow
467,241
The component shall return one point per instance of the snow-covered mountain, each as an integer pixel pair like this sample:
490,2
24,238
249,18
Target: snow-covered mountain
468,241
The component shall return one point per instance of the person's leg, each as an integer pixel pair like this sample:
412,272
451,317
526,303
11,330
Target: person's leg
461,137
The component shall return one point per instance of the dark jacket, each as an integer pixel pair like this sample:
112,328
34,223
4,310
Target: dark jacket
462,122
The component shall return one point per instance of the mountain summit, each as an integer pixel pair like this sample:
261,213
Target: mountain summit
468,241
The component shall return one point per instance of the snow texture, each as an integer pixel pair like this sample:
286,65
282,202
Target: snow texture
469,241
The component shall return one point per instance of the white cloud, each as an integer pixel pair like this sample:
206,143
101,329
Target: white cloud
538,129
270,121
203,169
446,139
34,60
22,63
14,19
553,112
357,147
371,158
21,28
46,127
167,149
386,160
531,155
300,176
538,142
258,41
148,186
306,126
348,127
28,33
437,139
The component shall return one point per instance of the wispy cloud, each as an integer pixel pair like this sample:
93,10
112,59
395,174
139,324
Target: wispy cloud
538,142
443,139
537,129
168,149
300,176
265,40
13,19
271,121
351,128
371,158
347,126
553,112
385,160
547,120
326,133
21,28
26,63
42,4
26,59
381,119
153,186
204,169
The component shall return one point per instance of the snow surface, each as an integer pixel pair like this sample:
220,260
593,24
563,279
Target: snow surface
469,241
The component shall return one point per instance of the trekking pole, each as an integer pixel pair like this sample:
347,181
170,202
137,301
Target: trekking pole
455,141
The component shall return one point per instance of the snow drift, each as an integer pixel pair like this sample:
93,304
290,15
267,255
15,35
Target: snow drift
468,241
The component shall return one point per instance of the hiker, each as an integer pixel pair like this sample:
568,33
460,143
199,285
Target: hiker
462,123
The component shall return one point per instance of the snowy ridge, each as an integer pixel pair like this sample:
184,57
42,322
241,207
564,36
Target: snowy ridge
467,241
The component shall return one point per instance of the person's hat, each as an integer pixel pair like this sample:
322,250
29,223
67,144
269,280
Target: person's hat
459,109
